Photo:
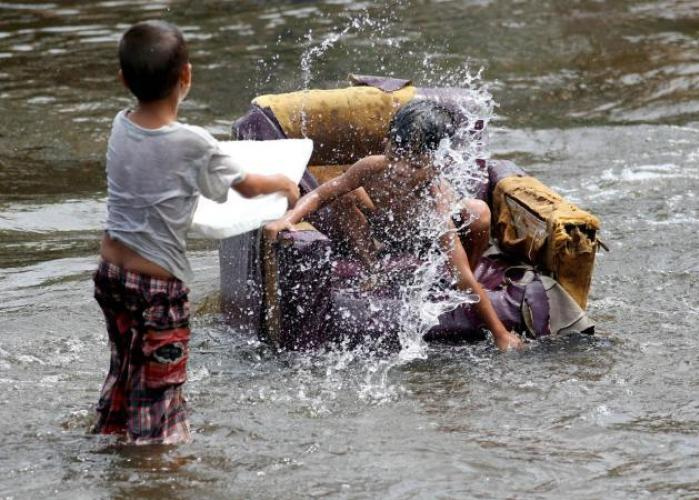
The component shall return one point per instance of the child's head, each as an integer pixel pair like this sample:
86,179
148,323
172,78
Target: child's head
153,57
417,129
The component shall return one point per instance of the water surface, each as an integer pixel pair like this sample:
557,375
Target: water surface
598,99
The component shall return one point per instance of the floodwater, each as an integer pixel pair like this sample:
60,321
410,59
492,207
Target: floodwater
599,99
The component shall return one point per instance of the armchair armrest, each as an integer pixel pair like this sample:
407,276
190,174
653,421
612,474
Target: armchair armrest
296,295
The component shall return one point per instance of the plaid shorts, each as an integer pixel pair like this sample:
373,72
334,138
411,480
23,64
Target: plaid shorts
148,324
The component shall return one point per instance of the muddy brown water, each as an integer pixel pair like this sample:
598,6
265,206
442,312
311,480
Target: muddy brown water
598,99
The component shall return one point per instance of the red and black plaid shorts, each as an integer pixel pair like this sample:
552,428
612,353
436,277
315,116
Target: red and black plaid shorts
148,324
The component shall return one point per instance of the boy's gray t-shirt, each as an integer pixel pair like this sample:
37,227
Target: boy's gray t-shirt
154,178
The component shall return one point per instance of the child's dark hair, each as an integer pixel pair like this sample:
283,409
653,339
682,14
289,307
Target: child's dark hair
419,126
152,55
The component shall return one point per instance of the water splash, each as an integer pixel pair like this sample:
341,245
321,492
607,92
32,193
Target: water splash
458,163
364,30
323,377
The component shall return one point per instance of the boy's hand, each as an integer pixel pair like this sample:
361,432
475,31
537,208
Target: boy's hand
272,229
291,191
256,184
505,340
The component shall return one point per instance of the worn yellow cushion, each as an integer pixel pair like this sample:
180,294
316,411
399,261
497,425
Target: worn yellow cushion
345,124
325,173
537,224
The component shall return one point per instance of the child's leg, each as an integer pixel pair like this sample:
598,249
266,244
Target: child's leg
147,320
112,409
158,411
475,235
112,414
353,227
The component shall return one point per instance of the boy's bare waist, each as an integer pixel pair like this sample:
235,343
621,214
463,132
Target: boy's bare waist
120,255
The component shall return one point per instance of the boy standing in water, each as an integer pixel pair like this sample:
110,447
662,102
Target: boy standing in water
402,186
156,169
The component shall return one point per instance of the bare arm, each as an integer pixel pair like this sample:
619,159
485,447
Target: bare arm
326,193
255,184
450,243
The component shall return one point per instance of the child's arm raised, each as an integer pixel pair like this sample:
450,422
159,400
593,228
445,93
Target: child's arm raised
255,184
324,194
